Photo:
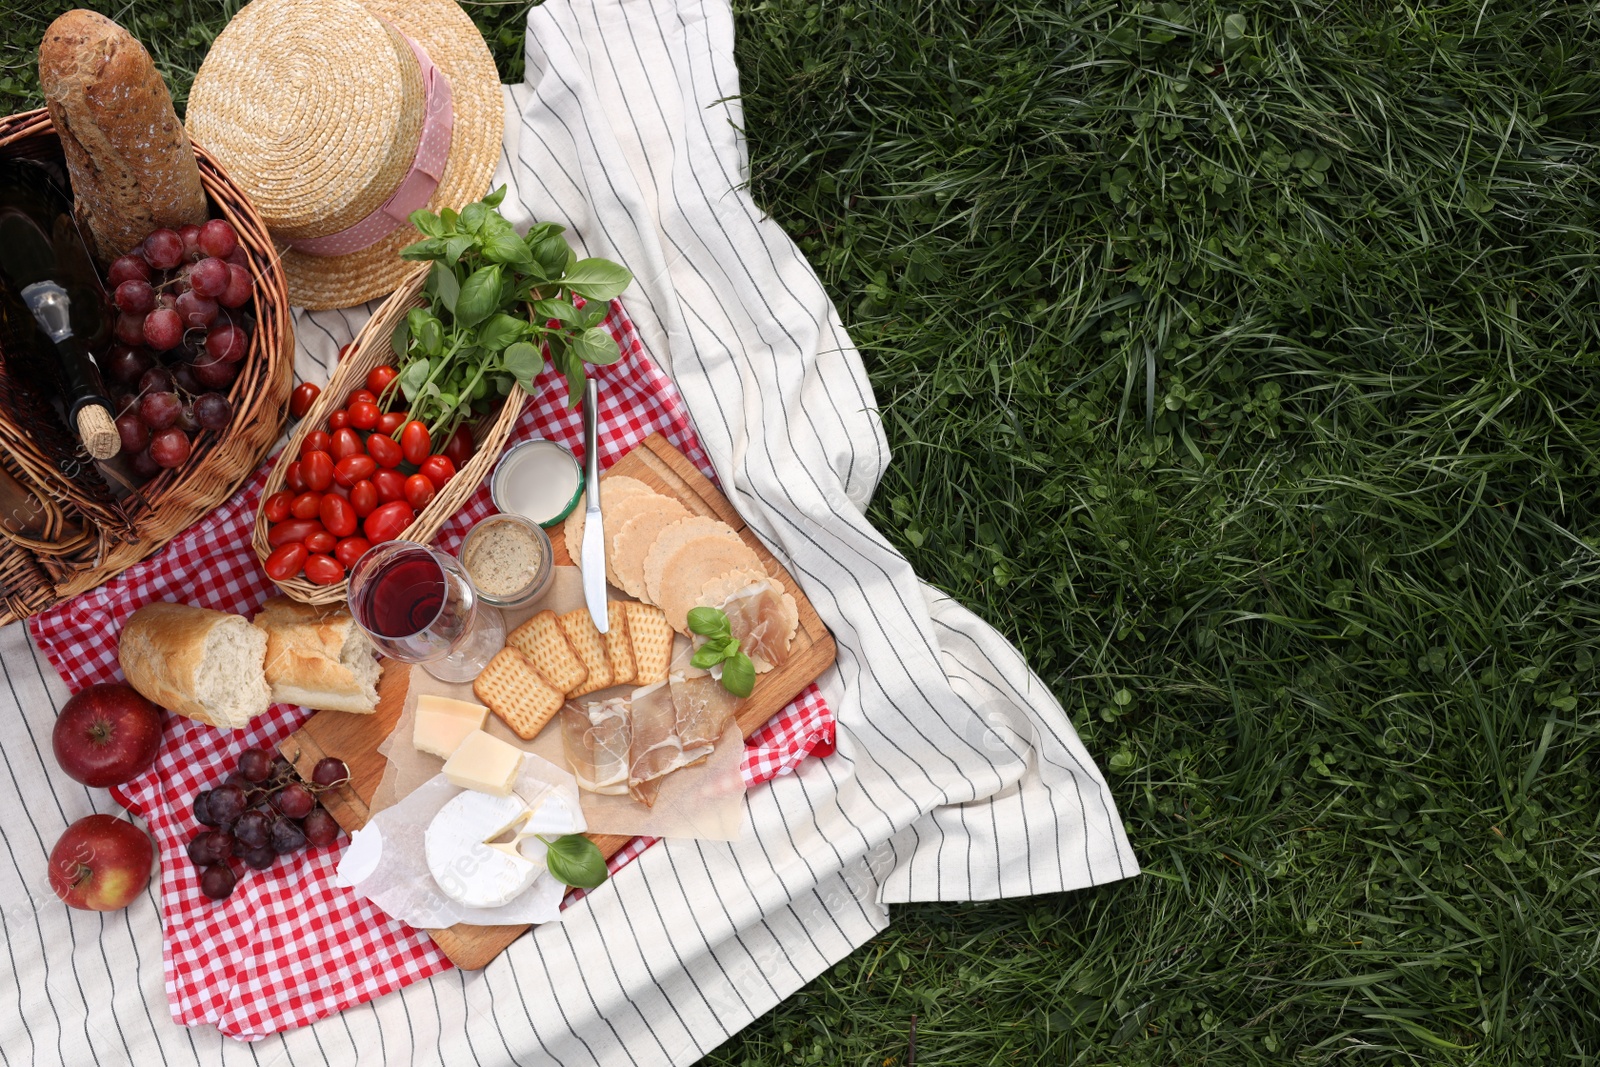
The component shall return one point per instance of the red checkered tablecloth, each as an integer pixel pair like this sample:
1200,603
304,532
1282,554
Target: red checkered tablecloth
288,947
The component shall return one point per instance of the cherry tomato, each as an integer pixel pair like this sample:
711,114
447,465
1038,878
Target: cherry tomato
364,414
321,541
317,470
338,516
359,396
388,522
276,506
391,486
316,441
308,505
419,491
293,479
461,446
324,570
351,469
438,470
378,379
414,442
339,419
292,531
390,421
286,562
342,350
305,394
363,498
345,442
384,450
349,550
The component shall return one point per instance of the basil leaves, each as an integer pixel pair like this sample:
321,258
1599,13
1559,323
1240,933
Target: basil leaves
738,673
496,303
574,860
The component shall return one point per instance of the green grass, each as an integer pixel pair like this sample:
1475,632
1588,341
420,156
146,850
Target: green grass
1240,364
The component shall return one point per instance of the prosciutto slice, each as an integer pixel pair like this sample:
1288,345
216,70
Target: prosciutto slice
598,736
656,751
703,710
763,617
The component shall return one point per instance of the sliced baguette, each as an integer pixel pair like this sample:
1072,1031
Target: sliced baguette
202,664
318,657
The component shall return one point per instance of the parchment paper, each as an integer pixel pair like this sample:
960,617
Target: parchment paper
386,860
705,801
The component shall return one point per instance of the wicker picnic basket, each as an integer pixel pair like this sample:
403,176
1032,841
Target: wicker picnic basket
81,535
372,348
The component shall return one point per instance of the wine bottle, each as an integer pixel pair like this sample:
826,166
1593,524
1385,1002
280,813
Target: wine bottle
52,306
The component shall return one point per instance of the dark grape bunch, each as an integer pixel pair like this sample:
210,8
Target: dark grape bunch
181,333
262,811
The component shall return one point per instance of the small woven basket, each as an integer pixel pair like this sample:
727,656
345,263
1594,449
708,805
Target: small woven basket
88,536
372,348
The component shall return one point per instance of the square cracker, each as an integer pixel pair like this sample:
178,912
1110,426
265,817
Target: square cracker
619,646
590,647
542,640
518,693
651,638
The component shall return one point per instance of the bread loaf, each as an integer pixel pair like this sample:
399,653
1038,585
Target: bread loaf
199,663
318,657
128,156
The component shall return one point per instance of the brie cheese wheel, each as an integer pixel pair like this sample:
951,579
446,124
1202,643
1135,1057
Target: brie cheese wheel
474,852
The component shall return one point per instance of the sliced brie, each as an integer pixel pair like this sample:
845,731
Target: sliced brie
468,867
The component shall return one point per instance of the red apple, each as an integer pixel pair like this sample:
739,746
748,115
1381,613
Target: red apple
101,863
106,735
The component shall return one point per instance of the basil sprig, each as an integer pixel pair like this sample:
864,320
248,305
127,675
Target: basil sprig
491,298
574,860
738,673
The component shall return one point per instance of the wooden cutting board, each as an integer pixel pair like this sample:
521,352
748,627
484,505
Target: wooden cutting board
355,738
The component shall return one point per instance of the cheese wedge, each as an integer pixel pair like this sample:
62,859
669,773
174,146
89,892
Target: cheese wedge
472,847
442,724
485,763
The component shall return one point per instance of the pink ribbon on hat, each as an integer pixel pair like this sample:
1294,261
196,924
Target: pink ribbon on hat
433,150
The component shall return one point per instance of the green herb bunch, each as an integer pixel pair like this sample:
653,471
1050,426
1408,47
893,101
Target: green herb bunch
738,672
492,296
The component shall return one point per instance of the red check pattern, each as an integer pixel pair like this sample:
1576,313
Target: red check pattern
288,947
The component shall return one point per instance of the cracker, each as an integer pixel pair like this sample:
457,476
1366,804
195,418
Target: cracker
716,592
590,647
518,693
542,640
619,645
632,539
651,638
695,563
668,541
613,490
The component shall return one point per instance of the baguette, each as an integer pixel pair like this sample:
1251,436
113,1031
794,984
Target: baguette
202,664
129,159
318,657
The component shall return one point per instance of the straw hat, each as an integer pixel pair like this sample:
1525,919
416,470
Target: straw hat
336,118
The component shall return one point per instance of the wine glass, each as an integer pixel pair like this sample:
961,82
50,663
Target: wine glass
418,606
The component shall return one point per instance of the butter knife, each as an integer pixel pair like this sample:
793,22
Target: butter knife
593,562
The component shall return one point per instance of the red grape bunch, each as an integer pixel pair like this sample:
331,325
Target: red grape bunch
182,331
262,811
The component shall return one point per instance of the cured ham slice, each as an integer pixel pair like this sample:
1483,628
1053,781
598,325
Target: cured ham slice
598,737
703,709
761,615
656,751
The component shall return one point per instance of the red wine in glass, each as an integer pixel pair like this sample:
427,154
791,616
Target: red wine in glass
405,595
417,605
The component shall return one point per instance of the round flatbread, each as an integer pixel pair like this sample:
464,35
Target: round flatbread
692,565
634,536
668,541
717,591
613,490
